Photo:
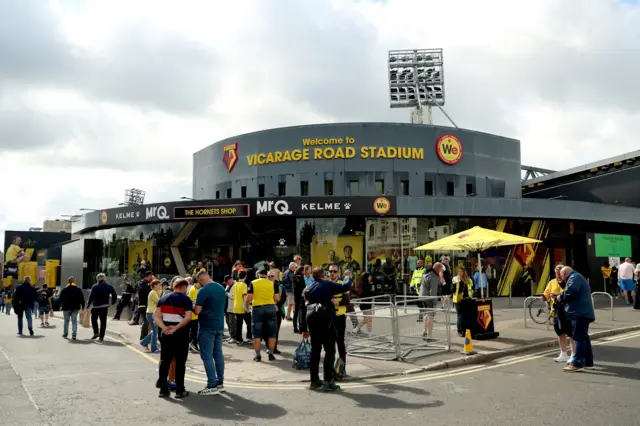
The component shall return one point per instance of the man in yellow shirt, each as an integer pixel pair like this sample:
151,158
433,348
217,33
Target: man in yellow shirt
240,307
560,324
606,275
193,325
262,294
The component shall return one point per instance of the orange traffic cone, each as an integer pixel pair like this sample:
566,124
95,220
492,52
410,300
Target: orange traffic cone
468,344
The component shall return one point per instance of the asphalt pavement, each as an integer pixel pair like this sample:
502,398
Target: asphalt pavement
47,380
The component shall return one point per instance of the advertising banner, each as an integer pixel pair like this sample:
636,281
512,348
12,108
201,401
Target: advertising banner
608,245
27,246
250,207
139,251
345,251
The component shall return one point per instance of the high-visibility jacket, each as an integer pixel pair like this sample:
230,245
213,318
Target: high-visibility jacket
458,290
340,310
416,279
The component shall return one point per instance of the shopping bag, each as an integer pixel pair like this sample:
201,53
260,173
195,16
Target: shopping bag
339,369
85,318
302,355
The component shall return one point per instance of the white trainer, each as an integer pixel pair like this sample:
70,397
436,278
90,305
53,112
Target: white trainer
563,357
571,359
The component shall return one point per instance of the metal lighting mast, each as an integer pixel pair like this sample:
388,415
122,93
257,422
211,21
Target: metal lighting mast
416,81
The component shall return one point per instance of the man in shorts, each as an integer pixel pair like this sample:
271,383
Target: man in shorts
262,295
44,307
429,287
561,325
626,273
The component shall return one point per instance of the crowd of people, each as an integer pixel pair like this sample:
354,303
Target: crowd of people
188,314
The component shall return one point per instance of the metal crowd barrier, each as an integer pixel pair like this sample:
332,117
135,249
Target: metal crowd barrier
394,328
602,293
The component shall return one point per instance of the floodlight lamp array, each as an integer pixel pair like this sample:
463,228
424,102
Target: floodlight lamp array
416,78
134,197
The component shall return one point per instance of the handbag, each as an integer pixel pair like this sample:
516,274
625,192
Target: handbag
85,318
302,355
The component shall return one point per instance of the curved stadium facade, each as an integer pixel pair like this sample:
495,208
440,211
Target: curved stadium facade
359,193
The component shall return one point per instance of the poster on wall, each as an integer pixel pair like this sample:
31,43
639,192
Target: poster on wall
345,251
614,261
139,251
22,248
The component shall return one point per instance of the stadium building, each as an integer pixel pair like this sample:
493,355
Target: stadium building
365,193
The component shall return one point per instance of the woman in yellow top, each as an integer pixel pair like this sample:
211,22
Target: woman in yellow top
460,291
560,324
152,304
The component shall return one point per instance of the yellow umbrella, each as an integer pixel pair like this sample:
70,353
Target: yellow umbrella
477,239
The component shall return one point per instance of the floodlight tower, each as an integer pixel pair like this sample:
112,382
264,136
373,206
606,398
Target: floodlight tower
134,197
416,81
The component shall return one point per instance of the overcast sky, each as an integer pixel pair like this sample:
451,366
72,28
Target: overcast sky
99,96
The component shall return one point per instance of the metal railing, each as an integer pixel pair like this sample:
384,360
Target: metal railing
394,328
595,293
602,293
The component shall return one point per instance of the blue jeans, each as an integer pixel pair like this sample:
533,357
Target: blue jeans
151,337
584,353
27,312
36,307
8,308
210,343
73,316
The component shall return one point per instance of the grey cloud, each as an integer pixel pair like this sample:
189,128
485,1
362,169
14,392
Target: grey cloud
332,61
23,129
321,57
149,69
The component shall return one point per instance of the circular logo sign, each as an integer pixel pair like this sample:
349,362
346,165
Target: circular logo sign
381,205
449,149
103,217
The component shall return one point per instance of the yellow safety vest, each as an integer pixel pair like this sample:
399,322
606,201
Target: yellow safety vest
340,310
416,279
458,293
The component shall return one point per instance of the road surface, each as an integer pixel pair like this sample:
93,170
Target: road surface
46,380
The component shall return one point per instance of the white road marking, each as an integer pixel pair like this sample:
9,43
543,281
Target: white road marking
33,401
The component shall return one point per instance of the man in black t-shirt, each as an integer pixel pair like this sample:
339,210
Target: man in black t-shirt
172,316
125,299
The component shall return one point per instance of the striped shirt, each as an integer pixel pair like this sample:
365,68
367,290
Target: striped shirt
174,306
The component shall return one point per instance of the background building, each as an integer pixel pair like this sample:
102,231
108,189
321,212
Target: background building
57,225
